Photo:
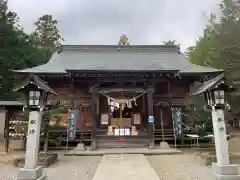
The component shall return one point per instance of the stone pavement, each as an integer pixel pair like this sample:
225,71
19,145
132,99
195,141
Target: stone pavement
107,151
67,168
180,167
125,167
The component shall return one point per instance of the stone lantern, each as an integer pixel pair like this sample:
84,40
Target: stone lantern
215,92
35,92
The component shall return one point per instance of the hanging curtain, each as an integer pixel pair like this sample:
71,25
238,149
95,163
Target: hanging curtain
177,121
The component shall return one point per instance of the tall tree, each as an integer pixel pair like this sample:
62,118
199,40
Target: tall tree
219,46
123,40
10,38
47,33
17,50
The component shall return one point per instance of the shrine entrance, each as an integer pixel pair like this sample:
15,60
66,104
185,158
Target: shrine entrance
125,111
121,113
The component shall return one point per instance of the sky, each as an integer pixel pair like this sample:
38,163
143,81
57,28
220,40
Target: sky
103,21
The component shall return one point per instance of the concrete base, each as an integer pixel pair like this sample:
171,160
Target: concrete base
226,172
107,151
94,145
80,147
31,174
164,145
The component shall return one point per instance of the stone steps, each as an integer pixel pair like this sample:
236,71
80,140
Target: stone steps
128,142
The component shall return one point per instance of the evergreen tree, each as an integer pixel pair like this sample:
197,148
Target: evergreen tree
18,50
47,33
219,46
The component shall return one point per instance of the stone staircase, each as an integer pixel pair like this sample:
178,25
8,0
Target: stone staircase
139,141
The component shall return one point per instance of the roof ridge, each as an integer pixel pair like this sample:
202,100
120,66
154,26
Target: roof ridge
169,48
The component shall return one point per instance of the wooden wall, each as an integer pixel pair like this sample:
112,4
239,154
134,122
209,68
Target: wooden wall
170,92
164,91
62,88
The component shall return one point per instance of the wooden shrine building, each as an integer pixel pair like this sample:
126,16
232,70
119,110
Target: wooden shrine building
117,89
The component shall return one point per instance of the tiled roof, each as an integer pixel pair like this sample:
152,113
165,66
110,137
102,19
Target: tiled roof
37,82
211,84
118,58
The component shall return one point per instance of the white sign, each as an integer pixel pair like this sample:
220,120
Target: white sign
104,118
136,119
122,132
127,131
116,132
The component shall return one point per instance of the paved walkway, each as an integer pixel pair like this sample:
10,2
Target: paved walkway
125,167
180,167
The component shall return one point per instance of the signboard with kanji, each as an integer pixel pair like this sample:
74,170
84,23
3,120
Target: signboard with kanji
72,124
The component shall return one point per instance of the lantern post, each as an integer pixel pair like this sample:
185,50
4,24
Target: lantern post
36,93
215,92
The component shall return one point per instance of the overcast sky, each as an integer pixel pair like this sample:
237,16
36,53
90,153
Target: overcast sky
103,21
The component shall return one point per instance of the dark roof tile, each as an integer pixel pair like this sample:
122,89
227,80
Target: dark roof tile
118,58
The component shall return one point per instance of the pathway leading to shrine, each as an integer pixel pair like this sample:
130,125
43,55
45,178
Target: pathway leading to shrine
125,166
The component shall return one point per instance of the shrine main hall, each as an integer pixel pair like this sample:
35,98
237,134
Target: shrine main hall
122,92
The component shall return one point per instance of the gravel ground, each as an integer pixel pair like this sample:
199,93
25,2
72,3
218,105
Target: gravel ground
67,168
180,167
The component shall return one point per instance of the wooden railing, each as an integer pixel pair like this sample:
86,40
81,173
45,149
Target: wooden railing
182,141
58,138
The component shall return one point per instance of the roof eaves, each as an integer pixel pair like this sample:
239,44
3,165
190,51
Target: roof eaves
208,85
37,82
194,69
11,103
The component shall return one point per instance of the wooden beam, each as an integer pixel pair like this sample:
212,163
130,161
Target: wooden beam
144,110
6,132
94,118
150,113
72,91
170,93
128,90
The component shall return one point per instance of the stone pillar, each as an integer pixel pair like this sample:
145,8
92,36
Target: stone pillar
223,169
31,171
221,143
150,115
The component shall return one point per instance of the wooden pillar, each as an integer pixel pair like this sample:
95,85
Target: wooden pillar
94,118
170,99
143,115
71,86
6,132
150,114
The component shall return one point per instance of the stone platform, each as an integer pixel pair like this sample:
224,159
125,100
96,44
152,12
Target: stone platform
125,166
144,151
